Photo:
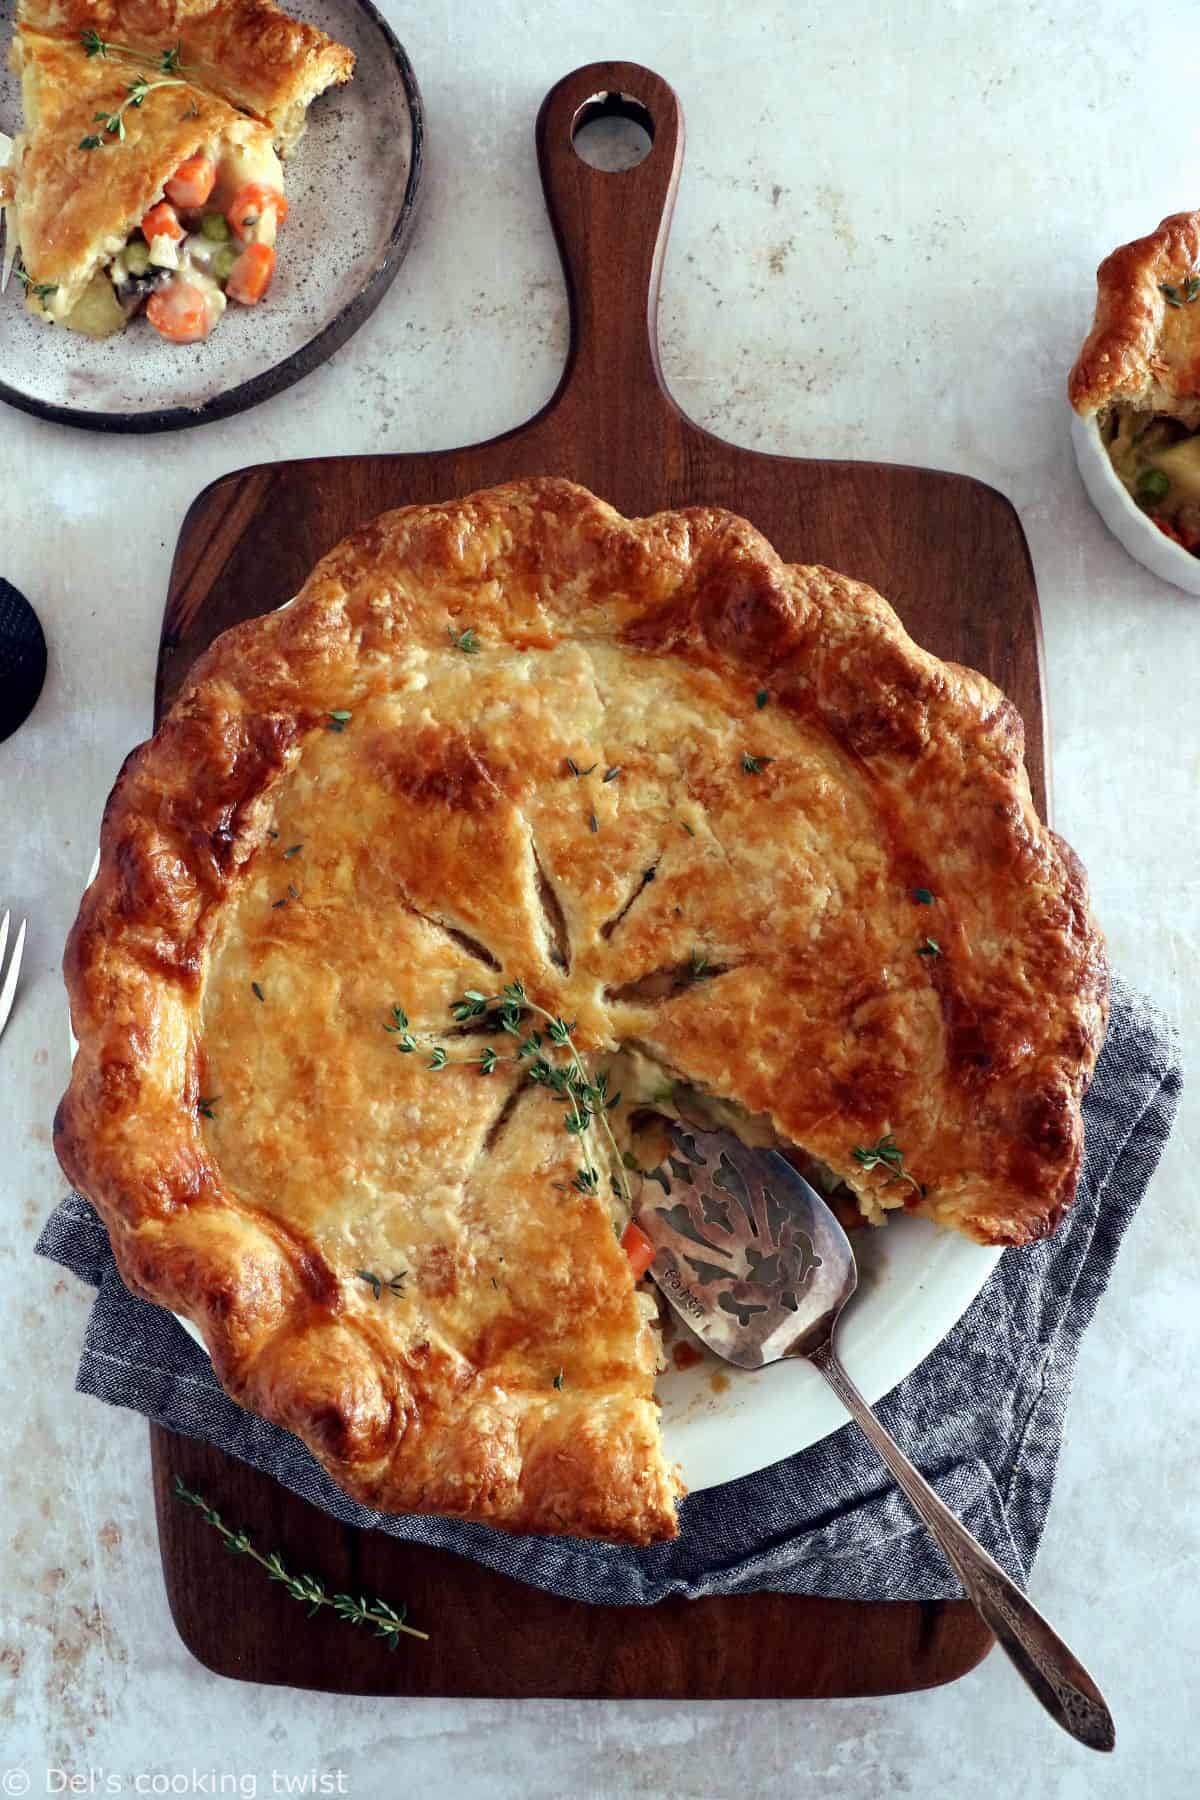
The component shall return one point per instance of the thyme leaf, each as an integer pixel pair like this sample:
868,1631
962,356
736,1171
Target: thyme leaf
379,1284
930,947
467,641
754,765
405,1041
1184,296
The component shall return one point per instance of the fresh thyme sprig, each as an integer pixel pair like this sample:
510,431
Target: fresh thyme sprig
754,765
206,1105
377,1283
353,1609
467,641
169,62
114,122
41,290
886,1154
587,1098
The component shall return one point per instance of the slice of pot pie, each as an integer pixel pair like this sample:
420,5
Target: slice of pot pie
147,174
1138,373
524,826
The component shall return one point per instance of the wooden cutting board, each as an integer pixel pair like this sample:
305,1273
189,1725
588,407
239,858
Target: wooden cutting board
950,555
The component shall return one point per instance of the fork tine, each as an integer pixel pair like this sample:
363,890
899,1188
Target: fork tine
3,936
8,992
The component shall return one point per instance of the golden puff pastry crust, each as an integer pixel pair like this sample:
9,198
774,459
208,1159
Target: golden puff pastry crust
707,806
1143,350
76,208
249,52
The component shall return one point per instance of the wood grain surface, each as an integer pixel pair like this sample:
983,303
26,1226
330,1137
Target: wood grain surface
950,555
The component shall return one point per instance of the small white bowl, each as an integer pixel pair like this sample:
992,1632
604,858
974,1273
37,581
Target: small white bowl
1121,513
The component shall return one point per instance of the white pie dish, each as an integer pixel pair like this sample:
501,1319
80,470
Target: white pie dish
916,1281
1124,518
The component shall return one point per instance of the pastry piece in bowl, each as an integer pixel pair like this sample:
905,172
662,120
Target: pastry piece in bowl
524,827
1135,390
148,172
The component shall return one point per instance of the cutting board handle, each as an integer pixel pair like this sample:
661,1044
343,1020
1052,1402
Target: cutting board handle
612,230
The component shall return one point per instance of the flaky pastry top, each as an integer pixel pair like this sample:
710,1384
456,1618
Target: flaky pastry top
1143,350
719,812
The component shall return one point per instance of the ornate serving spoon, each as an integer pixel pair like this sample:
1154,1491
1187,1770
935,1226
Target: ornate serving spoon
754,1261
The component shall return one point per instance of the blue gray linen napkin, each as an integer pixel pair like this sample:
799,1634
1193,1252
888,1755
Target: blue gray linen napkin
982,1416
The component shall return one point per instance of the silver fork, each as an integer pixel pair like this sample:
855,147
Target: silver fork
8,976
754,1261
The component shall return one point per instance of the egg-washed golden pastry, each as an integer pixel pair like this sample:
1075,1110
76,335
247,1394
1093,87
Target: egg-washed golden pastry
1138,373
718,816
147,172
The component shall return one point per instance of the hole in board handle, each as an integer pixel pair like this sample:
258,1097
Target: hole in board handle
612,133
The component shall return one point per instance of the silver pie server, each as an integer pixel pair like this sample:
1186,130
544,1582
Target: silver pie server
754,1261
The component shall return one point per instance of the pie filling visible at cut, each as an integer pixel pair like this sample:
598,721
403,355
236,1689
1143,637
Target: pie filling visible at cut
147,174
718,815
1138,373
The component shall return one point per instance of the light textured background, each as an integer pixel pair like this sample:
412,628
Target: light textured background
887,227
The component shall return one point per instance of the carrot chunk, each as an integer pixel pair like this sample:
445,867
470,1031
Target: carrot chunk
192,182
180,312
251,274
250,203
638,1249
162,221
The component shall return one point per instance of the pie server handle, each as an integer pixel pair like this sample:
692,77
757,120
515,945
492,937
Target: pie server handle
1052,1672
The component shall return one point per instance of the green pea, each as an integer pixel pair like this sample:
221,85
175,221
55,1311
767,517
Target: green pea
137,258
223,262
1153,485
214,225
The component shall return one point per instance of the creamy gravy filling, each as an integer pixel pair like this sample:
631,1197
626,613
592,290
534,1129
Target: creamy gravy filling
202,259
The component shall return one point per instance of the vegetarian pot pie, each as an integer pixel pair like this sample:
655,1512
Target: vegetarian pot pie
1138,373
148,174
521,811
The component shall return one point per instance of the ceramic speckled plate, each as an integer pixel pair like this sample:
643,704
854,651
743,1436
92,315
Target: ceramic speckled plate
352,190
